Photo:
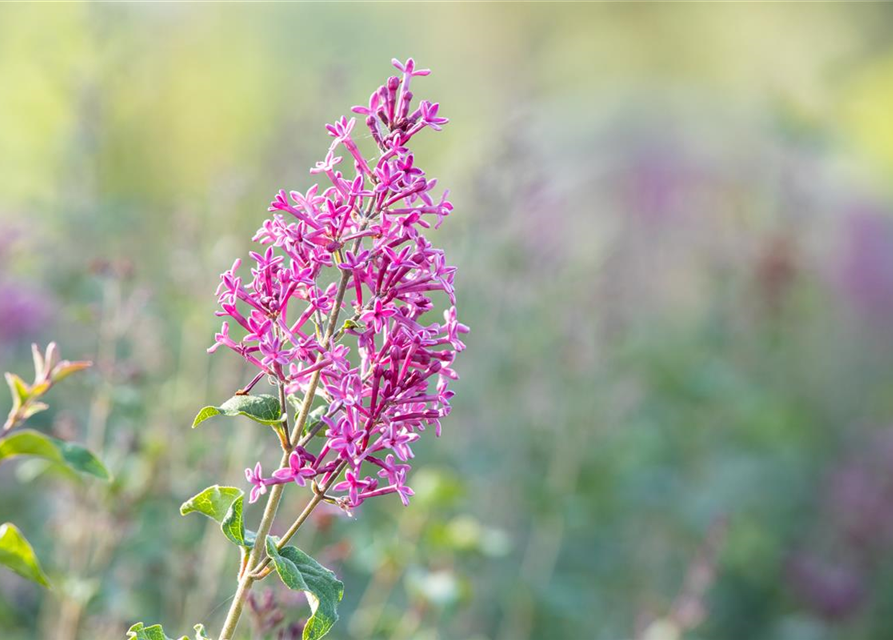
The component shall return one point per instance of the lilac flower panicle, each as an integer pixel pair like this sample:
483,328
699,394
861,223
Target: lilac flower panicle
368,226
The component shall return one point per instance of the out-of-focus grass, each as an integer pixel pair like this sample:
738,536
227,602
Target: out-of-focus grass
673,227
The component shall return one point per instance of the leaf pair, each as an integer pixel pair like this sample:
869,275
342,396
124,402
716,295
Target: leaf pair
15,551
224,505
296,569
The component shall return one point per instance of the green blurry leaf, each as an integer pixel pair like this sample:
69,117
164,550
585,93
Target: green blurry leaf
18,389
437,587
39,362
66,368
17,554
263,408
224,505
32,468
77,589
34,407
437,488
34,443
302,573
141,632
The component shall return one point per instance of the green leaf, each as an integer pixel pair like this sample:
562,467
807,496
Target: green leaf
20,395
66,368
263,408
34,443
313,418
224,505
17,554
141,632
33,408
18,389
39,362
301,572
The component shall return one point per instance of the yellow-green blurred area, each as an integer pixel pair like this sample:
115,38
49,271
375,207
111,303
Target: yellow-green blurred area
674,232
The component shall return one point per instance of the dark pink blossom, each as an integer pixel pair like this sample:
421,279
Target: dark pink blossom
297,470
256,479
377,316
384,376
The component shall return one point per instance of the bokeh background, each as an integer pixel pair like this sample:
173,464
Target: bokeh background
674,228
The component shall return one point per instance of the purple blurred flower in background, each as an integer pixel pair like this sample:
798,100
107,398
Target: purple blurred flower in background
833,589
835,574
24,308
655,182
24,311
866,268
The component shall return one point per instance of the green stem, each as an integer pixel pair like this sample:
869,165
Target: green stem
235,609
318,497
286,440
301,419
255,563
254,560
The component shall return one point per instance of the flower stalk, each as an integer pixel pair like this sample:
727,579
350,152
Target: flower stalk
379,379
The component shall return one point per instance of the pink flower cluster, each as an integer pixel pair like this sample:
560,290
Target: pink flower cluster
366,229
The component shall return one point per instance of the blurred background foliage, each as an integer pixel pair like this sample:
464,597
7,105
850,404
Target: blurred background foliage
674,227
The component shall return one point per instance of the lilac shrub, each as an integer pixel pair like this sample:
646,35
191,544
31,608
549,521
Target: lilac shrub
334,313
